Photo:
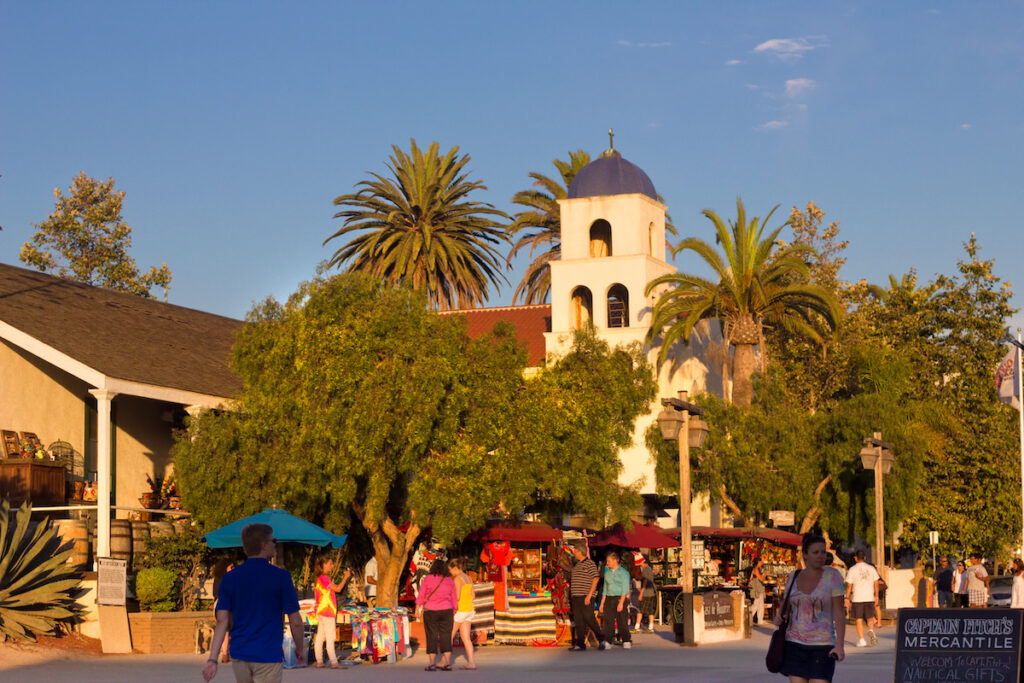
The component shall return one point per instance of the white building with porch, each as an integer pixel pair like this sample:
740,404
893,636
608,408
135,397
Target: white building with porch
112,374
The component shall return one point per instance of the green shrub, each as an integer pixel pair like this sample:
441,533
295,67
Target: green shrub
156,590
186,556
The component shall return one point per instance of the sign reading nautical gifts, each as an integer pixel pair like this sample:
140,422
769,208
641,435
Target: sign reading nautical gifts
958,645
111,582
718,611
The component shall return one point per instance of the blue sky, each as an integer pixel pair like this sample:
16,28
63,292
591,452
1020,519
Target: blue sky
232,126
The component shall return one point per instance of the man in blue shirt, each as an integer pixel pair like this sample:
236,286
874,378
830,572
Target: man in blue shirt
252,599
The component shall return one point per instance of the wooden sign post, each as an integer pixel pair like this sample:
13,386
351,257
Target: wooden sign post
958,645
111,601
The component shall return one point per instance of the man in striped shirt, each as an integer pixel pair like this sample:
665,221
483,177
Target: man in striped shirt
582,586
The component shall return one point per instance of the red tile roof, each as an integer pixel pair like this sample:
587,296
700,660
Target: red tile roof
531,323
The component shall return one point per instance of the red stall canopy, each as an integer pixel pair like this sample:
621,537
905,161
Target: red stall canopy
776,536
515,531
640,536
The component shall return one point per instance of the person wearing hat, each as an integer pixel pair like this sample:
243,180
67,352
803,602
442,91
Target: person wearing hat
648,593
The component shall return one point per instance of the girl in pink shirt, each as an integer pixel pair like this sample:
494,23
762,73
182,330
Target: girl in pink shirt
435,605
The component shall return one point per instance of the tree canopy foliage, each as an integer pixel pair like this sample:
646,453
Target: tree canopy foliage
419,227
759,283
912,360
86,239
359,403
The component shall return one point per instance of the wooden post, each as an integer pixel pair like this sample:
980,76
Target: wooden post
879,516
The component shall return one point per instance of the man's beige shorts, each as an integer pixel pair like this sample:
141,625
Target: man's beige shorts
257,672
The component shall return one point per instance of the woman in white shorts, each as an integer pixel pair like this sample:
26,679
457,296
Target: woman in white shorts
464,609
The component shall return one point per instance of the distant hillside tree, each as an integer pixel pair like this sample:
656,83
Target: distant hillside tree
86,239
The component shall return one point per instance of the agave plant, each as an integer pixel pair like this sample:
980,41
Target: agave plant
36,583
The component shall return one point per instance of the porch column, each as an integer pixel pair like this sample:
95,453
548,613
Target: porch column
103,451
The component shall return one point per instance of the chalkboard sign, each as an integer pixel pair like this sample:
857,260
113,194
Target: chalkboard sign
718,612
958,645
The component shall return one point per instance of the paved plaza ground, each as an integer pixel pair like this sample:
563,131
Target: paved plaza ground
654,657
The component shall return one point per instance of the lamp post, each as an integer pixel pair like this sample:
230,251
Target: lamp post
877,455
676,425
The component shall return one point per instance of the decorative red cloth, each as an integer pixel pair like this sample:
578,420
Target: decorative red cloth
500,552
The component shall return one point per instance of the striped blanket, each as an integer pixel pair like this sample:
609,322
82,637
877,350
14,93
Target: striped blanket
529,618
483,605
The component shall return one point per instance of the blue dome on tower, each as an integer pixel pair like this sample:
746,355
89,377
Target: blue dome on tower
611,174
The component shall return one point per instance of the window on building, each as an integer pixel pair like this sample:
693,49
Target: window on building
650,239
581,308
600,238
618,306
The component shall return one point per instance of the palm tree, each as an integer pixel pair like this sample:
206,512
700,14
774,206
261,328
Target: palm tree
543,220
418,227
760,283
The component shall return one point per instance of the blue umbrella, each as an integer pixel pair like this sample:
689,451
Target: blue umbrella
288,528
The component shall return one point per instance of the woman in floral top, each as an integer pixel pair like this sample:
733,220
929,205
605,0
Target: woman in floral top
817,622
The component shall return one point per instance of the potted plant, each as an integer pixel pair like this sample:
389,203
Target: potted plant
151,499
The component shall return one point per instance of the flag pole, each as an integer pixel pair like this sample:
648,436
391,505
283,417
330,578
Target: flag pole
1019,376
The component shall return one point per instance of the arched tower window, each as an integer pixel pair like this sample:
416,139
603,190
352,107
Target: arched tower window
600,238
581,308
618,306
650,239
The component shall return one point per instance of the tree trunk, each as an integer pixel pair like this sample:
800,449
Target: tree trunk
391,547
811,518
742,373
731,504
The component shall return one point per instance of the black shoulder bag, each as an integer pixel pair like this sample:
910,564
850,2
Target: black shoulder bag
777,649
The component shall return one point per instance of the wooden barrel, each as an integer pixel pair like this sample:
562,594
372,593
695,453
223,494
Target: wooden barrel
162,528
121,540
140,532
74,531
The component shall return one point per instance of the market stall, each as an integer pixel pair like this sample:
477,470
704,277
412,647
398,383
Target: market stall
513,561
723,558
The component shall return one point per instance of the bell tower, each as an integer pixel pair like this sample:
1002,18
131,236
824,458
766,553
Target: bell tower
613,244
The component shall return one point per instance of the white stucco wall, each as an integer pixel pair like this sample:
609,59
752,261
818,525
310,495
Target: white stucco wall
637,257
37,397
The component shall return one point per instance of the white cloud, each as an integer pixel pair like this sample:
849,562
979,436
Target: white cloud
791,49
627,43
733,62
795,87
965,126
773,125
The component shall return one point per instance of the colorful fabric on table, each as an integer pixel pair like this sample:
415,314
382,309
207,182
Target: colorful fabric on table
528,618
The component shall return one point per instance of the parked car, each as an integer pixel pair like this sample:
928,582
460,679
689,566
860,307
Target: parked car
999,589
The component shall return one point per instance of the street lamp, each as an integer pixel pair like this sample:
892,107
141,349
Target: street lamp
676,425
877,455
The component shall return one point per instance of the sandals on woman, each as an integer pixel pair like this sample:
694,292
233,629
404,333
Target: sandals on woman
430,668
446,667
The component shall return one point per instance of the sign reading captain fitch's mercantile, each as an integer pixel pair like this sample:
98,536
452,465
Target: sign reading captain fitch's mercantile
958,645
718,612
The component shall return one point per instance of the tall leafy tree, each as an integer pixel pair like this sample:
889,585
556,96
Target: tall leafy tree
86,239
419,227
540,227
759,284
361,406
972,490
